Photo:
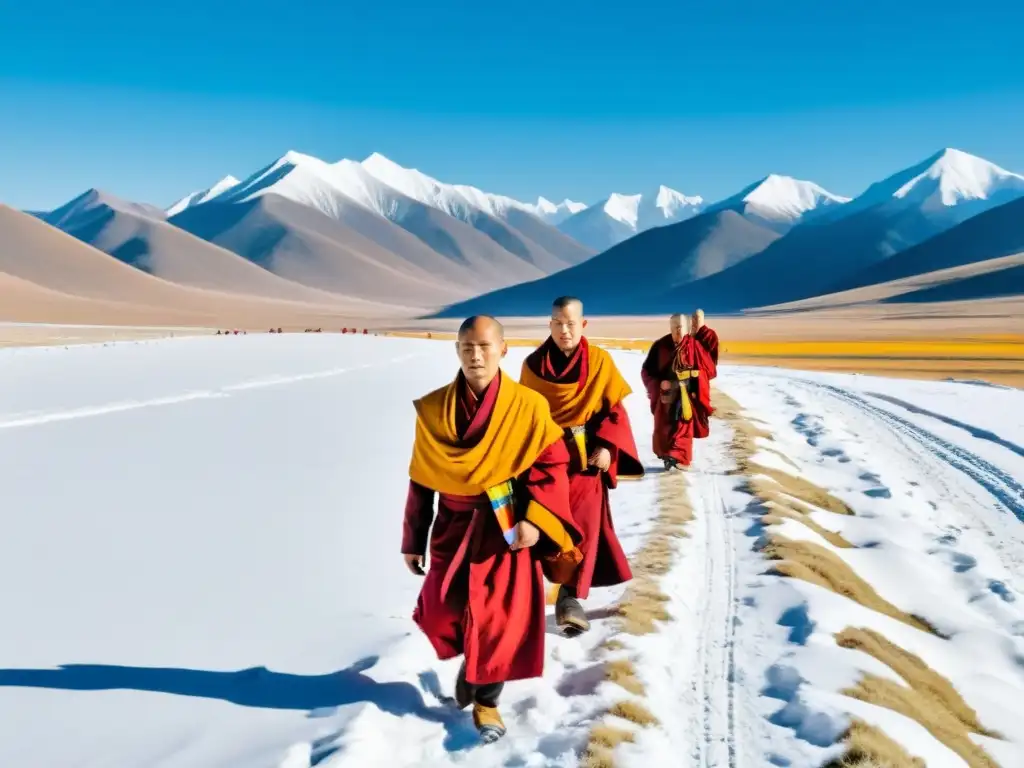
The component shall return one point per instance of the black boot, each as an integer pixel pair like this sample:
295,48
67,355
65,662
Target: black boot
464,692
569,614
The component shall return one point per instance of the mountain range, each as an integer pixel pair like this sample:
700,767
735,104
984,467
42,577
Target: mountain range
785,240
305,238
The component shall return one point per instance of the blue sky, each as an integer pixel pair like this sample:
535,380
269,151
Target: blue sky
562,99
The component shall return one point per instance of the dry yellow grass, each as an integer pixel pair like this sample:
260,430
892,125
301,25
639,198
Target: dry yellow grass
795,486
940,723
638,613
815,564
779,514
633,711
600,749
622,672
983,348
928,698
609,736
870,747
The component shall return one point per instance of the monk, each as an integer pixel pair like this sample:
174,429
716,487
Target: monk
585,390
705,335
677,373
490,452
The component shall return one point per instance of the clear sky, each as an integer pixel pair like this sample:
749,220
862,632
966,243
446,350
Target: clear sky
566,98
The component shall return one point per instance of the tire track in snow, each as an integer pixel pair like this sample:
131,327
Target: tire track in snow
714,683
999,484
32,419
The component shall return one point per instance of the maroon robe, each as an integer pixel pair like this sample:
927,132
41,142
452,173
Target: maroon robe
479,598
673,438
709,339
604,562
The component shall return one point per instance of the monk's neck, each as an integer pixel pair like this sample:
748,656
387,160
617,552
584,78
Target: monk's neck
476,389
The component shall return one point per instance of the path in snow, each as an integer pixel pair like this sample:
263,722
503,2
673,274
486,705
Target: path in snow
205,531
937,533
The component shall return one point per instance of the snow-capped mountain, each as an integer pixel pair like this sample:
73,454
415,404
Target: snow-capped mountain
951,182
781,201
364,215
618,217
196,198
555,213
510,223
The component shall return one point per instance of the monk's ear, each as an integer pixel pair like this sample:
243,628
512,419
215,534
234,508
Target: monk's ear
504,348
584,322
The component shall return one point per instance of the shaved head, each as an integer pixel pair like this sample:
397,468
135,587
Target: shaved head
679,326
564,302
481,323
480,347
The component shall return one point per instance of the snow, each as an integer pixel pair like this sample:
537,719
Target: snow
619,217
782,199
456,200
329,188
201,196
553,213
201,538
947,179
932,470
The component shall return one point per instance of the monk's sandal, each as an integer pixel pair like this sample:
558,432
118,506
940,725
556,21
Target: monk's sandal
488,722
569,614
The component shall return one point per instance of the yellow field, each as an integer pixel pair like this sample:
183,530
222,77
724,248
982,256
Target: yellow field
998,359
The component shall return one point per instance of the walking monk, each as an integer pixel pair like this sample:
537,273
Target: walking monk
705,335
585,391
488,448
677,373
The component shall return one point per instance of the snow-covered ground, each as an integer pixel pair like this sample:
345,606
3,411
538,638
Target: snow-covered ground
201,566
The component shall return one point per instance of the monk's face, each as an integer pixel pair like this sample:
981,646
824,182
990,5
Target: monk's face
696,321
567,324
679,326
480,351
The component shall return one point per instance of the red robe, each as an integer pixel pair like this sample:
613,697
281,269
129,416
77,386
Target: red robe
709,339
604,562
673,438
479,598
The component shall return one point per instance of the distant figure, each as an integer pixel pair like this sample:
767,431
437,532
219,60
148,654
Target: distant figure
218,333
585,391
279,330
488,448
365,331
705,335
344,330
677,373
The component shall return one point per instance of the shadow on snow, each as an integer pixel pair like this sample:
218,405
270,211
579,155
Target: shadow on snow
257,687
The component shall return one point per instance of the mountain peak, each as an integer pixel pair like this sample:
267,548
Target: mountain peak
781,198
946,178
291,157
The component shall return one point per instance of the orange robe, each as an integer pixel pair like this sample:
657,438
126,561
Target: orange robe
677,423
586,390
479,598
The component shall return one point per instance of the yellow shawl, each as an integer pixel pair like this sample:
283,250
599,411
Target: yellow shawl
519,430
571,406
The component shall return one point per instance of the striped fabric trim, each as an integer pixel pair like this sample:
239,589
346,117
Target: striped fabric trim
503,503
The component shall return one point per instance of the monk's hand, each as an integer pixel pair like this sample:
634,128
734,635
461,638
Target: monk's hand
601,458
414,563
526,535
